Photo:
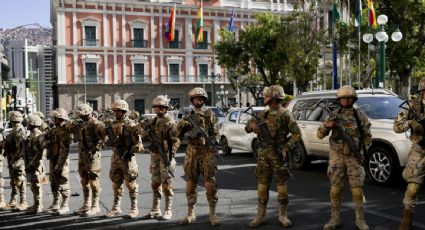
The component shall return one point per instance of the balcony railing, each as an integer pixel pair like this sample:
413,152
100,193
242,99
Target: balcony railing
139,43
139,79
90,79
192,79
175,45
91,42
202,46
259,4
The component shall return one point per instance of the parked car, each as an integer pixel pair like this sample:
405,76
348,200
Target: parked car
389,150
233,134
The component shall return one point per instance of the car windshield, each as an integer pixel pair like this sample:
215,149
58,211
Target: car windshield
380,107
218,112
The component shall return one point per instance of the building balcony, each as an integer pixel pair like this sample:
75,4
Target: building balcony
202,46
135,79
167,1
191,79
91,42
90,79
276,5
174,45
139,43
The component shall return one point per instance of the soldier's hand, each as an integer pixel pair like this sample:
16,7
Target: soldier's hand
255,127
329,124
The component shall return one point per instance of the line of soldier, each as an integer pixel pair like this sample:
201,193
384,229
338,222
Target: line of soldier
126,139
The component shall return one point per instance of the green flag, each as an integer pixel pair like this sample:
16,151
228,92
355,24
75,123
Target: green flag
335,13
358,13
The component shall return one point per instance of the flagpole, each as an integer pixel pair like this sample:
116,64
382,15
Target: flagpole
360,34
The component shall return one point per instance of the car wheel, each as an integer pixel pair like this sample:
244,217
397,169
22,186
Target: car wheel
299,159
255,146
225,146
379,165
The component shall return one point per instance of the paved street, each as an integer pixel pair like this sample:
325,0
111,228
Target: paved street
309,202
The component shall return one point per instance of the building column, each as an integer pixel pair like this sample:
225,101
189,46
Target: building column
74,41
152,45
189,54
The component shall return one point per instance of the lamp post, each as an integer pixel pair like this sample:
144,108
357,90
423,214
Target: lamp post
382,37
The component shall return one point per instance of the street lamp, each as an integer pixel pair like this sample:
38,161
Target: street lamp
221,94
382,37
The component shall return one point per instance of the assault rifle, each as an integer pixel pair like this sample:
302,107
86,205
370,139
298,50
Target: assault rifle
342,131
167,159
266,138
197,131
413,114
112,138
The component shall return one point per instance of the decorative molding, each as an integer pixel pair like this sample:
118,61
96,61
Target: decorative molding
174,60
90,58
203,60
139,59
139,24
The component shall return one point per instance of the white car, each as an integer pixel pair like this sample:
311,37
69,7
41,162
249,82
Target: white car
233,134
389,150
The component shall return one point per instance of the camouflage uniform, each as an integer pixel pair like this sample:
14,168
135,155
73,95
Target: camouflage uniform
34,151
134,116
2,201
165,130
13,151
200,159
342,162
414,173
89,156
123,162
280,124
44,127
58,153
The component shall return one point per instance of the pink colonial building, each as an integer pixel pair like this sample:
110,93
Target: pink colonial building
115,49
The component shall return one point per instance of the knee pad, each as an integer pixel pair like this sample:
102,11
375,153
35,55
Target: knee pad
263,192
357,194
336,192
412,190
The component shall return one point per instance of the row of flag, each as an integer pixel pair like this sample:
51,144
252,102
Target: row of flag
357,22
199,35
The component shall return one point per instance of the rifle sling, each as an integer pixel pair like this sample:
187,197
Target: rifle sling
356,116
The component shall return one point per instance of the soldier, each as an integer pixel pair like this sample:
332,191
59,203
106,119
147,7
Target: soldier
164,129
414,172
13,151
89,155
34,151
200,157
2,201
342,162
44,127
280,123
123,161
58,153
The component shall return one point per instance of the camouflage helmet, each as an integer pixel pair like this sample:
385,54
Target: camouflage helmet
34,120
274,91
84,110
40,114
60,113
421,85
119,105
198,92
346,91
134,115
15,116
162,101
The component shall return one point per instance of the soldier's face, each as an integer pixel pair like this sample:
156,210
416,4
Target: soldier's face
198,102
85,117
160,111
346,101
119,115
57,121
267,100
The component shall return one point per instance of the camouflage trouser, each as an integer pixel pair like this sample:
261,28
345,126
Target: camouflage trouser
17,177
36,178
161,173
201,160
268,165
414,173
341,166
60,182
89,169
125,170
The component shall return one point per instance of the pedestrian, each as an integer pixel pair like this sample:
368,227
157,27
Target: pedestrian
59,140
414,172
92,140
13,152
200,156
280,124
342,160
162,167
34,150
123,162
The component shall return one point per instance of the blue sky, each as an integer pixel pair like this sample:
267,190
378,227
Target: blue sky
15,13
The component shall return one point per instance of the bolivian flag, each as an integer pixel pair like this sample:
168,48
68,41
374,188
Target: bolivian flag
372,16
200,25
170,26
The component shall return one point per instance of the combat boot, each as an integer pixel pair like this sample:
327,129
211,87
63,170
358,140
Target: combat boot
36,208
283,218
213,216
360,221
259,220
64,207
134,211
335,220
406,222
13,203
2,203
191,217
168,214
155,211
95,209
55,205
87,204
23,205
116,208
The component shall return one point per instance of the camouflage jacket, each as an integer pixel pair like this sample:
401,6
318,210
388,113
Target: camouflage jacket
165,129
206,120
13,143
92,138
35,148
129,137
58,150
348,119
280,124
405,121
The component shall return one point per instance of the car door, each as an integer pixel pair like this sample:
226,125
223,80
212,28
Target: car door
230,128
243,140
